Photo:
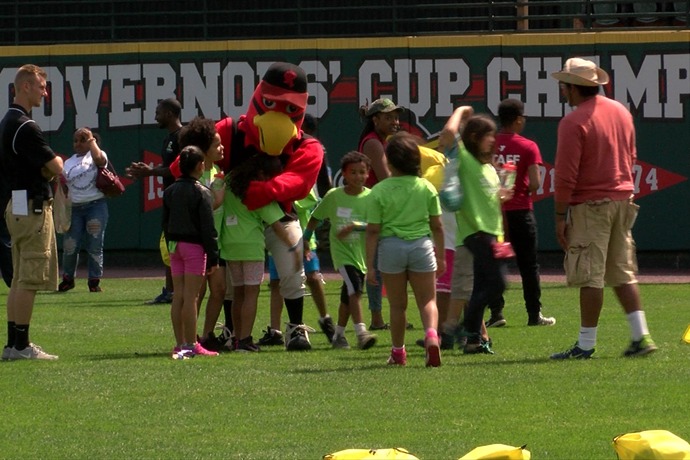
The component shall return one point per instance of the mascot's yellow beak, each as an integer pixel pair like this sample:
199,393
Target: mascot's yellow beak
276,129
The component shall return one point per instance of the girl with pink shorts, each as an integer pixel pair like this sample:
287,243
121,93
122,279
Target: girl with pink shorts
193,245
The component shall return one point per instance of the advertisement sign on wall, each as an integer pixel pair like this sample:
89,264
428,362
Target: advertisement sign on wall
114,89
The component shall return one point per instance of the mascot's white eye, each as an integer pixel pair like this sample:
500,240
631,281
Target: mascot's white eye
268,103
291,109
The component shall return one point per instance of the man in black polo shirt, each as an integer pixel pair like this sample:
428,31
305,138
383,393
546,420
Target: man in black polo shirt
168,112
5,241
28,165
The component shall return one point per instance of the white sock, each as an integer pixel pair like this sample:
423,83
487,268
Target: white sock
339,331
360,328
638,325
587,339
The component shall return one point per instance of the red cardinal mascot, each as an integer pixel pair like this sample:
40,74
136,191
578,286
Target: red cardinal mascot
272,126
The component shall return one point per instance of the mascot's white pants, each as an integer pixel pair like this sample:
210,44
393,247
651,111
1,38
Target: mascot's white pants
291,281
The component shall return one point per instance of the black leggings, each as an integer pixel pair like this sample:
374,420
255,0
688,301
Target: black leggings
489,279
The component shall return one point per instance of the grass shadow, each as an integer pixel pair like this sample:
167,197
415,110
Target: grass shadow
132,355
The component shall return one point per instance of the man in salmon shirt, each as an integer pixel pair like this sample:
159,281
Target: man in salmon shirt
594,205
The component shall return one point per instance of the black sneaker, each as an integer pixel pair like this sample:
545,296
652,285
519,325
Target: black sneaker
94,285
447,341
271,337
164,297
641,347
225,338
67,284
298,337
495,321
211,342
327,327
247,345
575,352
472,347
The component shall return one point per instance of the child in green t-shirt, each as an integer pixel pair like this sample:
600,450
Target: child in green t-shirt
404,220
243,244
480,223
346,209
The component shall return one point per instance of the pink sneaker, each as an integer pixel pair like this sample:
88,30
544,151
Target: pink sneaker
398,357
199,350
433,351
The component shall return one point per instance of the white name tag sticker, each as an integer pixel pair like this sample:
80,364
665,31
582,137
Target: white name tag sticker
230,220
344,213
20,204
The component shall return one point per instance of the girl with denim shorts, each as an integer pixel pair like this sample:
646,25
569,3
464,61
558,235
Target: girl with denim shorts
404,220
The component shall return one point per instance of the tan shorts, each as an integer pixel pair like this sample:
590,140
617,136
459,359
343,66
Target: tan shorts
291,280
249,273
229,290
463,274
601,250
34,249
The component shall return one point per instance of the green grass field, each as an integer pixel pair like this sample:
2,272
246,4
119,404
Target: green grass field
116,393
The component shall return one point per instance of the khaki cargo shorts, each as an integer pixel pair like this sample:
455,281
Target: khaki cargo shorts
601,250
34,249
462,282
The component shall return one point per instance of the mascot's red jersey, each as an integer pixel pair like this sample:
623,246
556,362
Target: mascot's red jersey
272,126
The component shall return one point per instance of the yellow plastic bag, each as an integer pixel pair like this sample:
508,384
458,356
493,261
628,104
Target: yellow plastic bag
163,246
432,163
498,452
686,336
651,445
396,453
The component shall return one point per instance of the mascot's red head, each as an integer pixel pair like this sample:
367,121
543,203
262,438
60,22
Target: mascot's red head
276,111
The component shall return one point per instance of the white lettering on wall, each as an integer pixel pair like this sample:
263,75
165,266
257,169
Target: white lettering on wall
123,107
655,88
86,85
160,82
641,90
202,95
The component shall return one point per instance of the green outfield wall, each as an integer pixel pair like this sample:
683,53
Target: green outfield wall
114,89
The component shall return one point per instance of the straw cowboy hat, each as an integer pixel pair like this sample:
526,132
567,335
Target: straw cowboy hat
581,72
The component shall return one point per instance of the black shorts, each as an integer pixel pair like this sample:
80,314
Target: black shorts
353,282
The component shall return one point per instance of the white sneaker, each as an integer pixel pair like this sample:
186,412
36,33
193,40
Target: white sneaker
33,351
543,321
366,340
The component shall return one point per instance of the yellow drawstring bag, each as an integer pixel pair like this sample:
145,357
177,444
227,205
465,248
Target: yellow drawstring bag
686,336
396,453
498,452
163,246
651,445
432,164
